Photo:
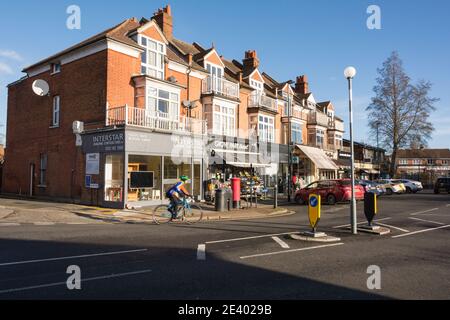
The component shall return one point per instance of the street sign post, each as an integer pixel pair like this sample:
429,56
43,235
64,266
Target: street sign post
314,206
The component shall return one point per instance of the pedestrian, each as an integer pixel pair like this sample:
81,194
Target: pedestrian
294,181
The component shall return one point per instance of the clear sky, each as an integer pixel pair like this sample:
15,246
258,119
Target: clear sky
292,37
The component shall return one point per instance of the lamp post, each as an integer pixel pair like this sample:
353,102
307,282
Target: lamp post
349,74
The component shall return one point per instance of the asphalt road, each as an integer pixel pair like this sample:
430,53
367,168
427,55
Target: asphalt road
236,259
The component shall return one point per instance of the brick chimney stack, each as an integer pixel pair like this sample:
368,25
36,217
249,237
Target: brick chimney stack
301,85
163,18
251,60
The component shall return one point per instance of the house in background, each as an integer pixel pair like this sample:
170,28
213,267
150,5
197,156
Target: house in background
369,161
424,165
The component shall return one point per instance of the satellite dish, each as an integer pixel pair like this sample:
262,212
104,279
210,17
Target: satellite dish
40,88
186,103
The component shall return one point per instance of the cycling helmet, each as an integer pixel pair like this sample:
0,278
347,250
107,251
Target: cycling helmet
184,178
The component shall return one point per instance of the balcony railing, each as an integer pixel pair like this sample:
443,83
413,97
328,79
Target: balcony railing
336,124
160,121
318,118
217,85
296,112
258,100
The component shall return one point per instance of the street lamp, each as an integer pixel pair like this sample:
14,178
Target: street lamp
349,74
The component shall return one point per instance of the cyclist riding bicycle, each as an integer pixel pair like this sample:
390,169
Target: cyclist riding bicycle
176,193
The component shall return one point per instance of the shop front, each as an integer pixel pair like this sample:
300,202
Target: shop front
135,167
316,164
254,162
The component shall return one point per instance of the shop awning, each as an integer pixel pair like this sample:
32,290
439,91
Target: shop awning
316,155
248,165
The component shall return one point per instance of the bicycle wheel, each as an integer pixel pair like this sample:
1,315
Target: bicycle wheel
193,215
161,214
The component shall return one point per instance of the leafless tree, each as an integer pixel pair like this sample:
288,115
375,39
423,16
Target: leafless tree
399,111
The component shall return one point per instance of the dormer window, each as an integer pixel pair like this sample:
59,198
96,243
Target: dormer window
152,57
214,70
257,85
56,67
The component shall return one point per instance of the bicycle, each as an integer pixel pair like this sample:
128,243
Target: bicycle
187,212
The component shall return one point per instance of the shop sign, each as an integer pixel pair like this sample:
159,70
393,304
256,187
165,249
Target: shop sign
104,142
228,145
93,163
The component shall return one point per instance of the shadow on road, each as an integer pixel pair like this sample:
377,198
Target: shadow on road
175,275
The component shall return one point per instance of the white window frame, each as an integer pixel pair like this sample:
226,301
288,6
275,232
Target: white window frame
160,53
224,119
266,129
444,162
416,162
56,111
153,93
56,67
403,161
300,132
257,85
320,133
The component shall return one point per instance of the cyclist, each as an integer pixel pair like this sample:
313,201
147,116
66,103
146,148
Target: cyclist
176,193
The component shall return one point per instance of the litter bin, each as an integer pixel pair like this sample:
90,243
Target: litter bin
223,199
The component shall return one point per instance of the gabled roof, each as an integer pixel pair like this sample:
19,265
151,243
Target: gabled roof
117,33
424,153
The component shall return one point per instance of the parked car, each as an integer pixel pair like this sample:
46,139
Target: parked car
373,187
330,191
442,184
410,185
392,187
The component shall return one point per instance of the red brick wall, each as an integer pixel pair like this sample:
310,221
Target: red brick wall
82,88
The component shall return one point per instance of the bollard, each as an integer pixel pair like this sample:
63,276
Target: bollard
275,197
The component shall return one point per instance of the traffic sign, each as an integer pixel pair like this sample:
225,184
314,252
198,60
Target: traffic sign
314,210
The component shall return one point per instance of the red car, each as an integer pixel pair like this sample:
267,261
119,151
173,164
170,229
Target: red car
330,191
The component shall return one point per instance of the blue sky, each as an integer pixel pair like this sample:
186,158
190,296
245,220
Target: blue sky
292,37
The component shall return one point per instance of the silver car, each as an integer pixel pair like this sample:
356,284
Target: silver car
411,185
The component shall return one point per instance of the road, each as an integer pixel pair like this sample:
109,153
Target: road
246,259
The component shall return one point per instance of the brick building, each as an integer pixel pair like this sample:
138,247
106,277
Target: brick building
153,107
370,161
425,165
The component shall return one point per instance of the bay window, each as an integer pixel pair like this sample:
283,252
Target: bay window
224,120
296,133
163,103
152,57
266,129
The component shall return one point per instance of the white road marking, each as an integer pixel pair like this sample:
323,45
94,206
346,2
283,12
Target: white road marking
71,257
293,250
248,238
348,225
9,224
82,280
420,231
281,242
391,226
425,211
201,252
435,222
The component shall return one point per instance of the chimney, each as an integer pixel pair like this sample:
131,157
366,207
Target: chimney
251,60
301,85
163,18
190,58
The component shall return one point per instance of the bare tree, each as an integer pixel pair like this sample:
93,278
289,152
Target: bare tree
399,111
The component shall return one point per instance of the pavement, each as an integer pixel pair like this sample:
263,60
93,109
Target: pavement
244,259
13,211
